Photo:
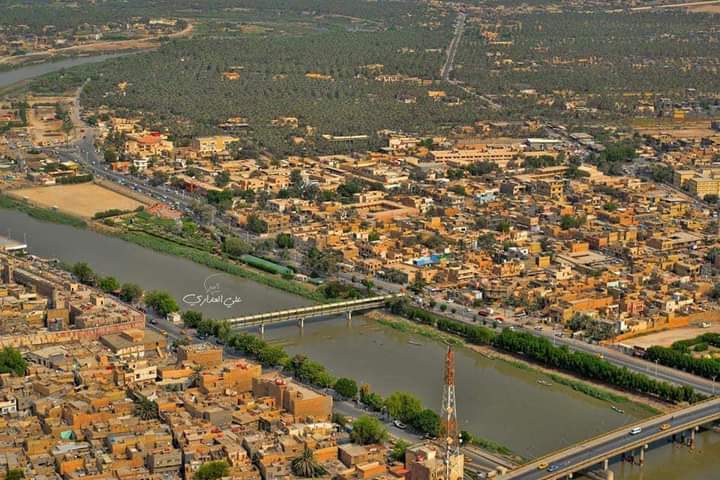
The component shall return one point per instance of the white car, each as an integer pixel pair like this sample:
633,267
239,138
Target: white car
636,431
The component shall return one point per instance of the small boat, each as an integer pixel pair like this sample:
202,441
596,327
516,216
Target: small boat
417,344
545,383
618,410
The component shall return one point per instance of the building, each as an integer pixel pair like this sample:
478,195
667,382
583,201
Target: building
206,147
201,354
299,400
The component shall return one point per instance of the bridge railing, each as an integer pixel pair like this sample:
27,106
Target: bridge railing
315,308
623,428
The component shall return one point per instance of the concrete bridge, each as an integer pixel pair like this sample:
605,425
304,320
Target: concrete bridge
299,315
595,454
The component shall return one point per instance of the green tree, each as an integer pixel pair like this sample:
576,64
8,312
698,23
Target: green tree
212,470
403,406
285,241
84,273
368,284
191,318
427,421
346,387
237,247
146,409
15,474
161,302
12,361
398,451
222,179
109,284
110,155
130,292
367,430
306,466
255,224
571,221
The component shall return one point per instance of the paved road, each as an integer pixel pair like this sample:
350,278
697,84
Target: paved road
616,357
596,450
453,47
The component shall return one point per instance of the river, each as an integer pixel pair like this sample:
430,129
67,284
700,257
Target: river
31,71
495,400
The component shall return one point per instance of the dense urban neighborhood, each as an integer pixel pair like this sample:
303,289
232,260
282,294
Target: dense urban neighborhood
528,188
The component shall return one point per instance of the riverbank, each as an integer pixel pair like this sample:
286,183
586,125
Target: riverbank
39,213
106,47
221,263
648,406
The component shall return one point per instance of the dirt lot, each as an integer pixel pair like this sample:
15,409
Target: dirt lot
705,9
84,200
668,337
684,129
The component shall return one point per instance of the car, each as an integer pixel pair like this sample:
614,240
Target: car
636,431
553,468
542,466
538,328
665,426
399,424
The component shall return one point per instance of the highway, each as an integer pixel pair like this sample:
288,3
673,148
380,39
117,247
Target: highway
594,451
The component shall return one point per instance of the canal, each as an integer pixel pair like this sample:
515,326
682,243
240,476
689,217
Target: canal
496,400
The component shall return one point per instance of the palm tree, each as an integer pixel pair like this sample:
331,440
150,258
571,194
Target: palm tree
306,466
146,409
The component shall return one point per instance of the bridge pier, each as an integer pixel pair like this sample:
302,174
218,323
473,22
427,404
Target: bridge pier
348,318
691,441
301,323
262,329
606,464
609,475
642,455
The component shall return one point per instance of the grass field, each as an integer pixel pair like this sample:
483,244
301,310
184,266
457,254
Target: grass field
83,200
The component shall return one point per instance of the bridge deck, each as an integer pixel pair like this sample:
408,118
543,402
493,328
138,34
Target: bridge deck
313,311
594,451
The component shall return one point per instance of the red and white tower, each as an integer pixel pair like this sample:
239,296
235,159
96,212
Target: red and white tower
450,434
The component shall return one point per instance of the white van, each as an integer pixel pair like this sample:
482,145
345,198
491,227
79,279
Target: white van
636,431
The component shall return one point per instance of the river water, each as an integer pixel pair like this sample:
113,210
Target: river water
31,71
495,400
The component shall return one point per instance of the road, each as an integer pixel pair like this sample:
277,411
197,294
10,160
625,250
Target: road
616,357
453,47
449,64
594,451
